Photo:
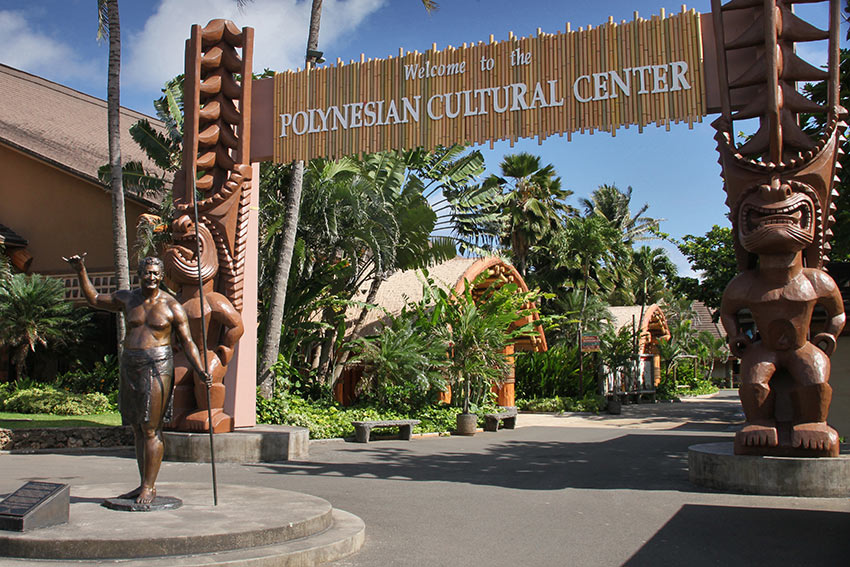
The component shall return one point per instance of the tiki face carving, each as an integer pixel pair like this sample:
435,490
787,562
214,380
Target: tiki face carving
775,218
182,258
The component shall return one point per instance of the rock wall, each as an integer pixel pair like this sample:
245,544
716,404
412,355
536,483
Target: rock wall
65,438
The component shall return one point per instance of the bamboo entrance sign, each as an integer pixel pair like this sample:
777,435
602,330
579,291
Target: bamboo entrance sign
635,73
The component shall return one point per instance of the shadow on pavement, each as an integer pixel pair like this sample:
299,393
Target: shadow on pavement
632,461
701,535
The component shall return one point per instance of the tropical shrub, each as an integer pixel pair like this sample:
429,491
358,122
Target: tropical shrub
103,378
34,313
699,388
477,330
301,382
401,360
327,420
591,403
47,399
548,374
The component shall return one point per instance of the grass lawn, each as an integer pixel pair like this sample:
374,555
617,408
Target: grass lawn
35,420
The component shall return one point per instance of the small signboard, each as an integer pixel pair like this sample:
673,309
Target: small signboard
591,343
35,505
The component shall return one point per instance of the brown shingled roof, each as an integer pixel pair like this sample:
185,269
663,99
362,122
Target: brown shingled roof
9,237
702,321
61,126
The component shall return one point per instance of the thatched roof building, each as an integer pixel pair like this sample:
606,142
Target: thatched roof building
406,286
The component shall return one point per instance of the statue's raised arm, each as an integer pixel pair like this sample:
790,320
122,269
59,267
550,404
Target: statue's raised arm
108,301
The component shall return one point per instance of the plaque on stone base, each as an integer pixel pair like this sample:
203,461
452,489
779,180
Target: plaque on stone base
35,505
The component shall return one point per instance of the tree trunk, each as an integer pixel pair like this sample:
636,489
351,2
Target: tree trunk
358,325
271,344
580,330
19,361
113,109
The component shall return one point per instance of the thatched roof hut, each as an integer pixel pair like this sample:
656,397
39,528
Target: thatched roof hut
406,286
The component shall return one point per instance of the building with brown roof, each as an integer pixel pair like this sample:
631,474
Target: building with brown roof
453,275
649,325
53,140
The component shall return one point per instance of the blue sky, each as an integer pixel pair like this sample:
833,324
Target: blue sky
675,172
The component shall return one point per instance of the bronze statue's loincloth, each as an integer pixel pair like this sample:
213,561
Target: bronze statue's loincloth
139,368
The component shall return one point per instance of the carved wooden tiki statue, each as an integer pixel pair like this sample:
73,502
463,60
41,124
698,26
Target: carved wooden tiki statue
217,172
779,187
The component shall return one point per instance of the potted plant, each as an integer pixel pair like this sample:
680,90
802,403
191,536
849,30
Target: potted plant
476,334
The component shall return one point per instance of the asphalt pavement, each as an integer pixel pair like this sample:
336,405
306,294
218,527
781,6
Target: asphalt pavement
557,490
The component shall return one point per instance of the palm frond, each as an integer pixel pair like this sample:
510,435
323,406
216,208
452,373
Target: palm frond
102,20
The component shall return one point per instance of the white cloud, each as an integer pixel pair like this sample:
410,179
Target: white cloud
155,54
33,51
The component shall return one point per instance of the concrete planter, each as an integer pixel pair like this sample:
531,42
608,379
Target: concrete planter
467,423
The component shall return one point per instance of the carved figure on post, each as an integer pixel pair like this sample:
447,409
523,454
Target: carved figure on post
223,326
779,192
217,174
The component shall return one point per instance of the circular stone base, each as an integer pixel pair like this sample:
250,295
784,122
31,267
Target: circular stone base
714,465
251,526
130,504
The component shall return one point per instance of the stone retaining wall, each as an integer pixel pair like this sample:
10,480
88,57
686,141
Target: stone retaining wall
65,438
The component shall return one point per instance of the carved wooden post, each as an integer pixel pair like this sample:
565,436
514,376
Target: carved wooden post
779,187
216,164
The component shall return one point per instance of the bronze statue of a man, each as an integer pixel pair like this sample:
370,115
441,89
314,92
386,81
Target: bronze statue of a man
147,369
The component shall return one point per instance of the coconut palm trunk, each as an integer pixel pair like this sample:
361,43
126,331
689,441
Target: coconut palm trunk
112,28
120,252
277,302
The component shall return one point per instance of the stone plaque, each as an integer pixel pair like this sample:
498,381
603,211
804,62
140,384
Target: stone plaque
35,505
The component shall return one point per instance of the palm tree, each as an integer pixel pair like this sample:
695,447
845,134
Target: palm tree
608,202
277,301
33,312
591,240
531,204
271,342
108,24
165,150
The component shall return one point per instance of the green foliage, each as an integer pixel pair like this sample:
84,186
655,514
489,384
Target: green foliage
589,404
614,205
714,256
547,374
297,381
49,400
34,313
401,356
666,388
5,265
327,420
103,378
530,205
699,388
364,220
477,330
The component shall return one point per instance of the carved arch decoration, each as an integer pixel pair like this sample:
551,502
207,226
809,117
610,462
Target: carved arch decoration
499,273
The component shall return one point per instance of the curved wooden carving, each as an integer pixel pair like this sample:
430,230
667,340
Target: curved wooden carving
779,187
217,171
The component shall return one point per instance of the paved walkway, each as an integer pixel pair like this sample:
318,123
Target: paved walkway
558,490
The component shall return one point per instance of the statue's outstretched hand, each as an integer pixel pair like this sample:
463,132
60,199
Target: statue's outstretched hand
825,342
77,261
207,378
